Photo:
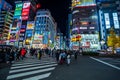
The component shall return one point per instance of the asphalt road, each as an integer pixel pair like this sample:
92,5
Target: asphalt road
84,68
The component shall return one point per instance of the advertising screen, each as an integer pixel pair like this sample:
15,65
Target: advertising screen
30,25
14,23
25,10
107,20
24,17
82,2
28,35
26,5
17,13
22,30
12,36
115,19
19,24
25,13
19,5
18,10
23,26
91,41
85,19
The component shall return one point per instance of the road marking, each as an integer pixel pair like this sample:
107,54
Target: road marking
32,68
23,63
31,65
29,73
106,63
38,77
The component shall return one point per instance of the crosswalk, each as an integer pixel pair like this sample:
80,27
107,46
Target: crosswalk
32,69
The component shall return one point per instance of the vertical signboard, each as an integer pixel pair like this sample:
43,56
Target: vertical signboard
107,20
25,10
115,19
18,10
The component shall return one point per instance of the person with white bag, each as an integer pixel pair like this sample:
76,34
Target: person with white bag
68,58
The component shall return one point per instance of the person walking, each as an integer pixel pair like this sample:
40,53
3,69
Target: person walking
23,52
39,54
68,59
76,54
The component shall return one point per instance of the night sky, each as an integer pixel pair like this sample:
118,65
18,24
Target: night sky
59,10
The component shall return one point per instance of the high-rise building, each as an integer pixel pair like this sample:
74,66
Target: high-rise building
85,28
5,23
109,17
6,16
45,30
24,12
69,30
5,5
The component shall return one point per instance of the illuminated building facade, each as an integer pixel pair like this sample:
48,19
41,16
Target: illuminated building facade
85,25
24,13
6,16
109,16
45,30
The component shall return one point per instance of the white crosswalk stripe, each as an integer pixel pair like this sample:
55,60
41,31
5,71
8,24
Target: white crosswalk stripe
32,69
38,77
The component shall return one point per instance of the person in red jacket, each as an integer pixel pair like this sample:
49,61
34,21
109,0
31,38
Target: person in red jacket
23,52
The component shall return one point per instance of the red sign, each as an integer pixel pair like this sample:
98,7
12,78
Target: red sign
26,5
22,30
25,13
24,17
26,10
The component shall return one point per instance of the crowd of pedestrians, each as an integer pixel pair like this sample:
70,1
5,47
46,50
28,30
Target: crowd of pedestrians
16,54
10,55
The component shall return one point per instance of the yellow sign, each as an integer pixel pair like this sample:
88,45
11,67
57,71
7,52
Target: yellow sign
30,25
73,39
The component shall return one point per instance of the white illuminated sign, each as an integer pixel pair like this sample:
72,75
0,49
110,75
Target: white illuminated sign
107,20
83,27
26,5
116,22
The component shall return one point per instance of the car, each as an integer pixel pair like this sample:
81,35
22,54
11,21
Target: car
117,50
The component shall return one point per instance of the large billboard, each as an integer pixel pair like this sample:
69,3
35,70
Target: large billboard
107,20
116,21
30,25
18,10
25,10
13,37
85,19
14,25
82,2
88,42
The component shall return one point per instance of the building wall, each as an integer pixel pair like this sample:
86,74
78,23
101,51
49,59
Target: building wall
6,19
84,23
108,17
44,28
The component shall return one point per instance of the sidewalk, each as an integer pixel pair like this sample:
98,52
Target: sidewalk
4,70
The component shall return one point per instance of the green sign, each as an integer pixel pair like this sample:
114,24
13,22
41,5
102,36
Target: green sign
19,5
17,13
18,9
